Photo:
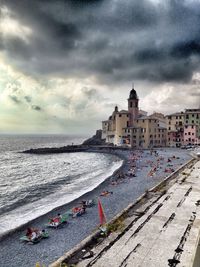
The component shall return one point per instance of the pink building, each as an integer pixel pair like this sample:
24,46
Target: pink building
190,134
175,138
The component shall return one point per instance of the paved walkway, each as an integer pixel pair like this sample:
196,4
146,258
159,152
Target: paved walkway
166,235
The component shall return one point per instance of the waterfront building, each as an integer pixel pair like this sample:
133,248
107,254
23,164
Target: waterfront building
133,127
175,129
183,128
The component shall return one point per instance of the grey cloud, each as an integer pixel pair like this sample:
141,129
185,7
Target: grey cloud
186,49
116,41
195,92
28,98
15,99
37,108
90,92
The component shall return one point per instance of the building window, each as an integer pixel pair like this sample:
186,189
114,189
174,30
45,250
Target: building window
127,115
189,133
186,126
169,128
176,117
185,133
186,122
192,133
187,116
127,124
193,115
120,115
131,104
192,121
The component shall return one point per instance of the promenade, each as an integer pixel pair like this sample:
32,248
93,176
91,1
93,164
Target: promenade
162,232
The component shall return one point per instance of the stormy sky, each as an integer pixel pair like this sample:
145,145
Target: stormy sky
65,64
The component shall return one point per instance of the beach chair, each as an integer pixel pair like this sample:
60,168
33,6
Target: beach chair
56,222
40,235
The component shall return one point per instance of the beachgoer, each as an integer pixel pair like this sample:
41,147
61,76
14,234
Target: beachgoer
29,232
59,216
106,193
33,236
32,233
84,205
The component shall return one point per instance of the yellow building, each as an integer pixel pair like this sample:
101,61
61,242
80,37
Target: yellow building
133,127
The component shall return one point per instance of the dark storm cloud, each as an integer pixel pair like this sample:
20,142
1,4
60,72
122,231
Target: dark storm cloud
186,49
113,40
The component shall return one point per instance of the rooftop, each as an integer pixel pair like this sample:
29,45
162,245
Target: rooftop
123,111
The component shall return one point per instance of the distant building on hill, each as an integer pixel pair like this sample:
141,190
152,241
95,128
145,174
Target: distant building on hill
133,127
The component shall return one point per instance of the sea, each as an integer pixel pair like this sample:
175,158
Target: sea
32,185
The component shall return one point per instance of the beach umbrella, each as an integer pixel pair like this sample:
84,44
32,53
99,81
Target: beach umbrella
102,216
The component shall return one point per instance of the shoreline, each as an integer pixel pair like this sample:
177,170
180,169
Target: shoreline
75,201
79,228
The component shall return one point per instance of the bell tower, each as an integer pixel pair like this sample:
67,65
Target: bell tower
133,108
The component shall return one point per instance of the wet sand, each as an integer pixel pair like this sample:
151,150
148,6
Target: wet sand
13,253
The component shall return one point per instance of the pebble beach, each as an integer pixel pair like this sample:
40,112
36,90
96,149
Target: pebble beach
140,171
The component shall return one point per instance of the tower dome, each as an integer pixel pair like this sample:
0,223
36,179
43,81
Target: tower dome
133,94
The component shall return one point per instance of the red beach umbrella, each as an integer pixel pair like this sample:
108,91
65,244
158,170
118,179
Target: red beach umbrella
102,216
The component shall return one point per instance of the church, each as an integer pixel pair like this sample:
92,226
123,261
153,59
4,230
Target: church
134,128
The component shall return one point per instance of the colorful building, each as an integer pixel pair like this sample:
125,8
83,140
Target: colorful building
183,128
175,129
134,128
